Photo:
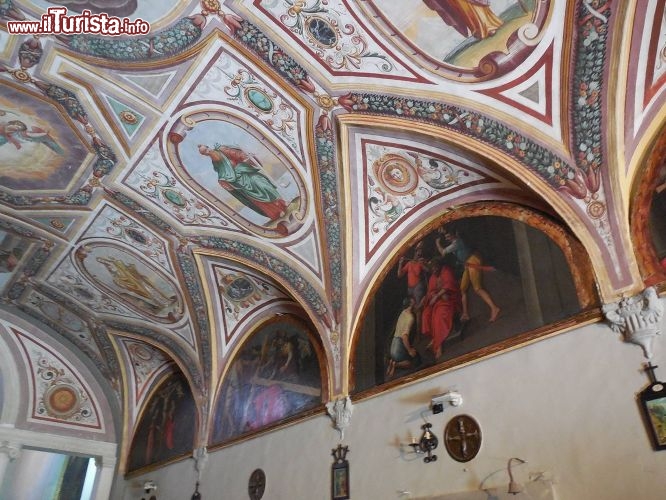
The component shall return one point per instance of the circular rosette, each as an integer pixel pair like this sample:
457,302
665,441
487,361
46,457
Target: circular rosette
395,174
62,400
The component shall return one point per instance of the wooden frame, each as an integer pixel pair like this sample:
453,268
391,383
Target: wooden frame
340,474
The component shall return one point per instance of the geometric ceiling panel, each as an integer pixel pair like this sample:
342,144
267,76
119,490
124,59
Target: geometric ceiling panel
59,394
532,91
240,297
153,84
332,34
130,120
156,183
62,319
42,152
395,178
146,364
650,78
242,86
113,224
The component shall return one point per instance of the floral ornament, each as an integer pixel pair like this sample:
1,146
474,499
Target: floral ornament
334,40
161,45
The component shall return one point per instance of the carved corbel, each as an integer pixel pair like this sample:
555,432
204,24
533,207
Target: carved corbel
340,411
637,318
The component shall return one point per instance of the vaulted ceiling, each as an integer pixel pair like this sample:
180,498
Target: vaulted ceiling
120,233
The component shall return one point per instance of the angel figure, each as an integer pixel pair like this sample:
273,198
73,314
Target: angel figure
16,132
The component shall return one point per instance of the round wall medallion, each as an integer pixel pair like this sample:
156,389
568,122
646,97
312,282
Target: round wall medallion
395,174
257,484
462,438
61,400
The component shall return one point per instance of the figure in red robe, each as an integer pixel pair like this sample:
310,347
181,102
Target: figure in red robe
440,305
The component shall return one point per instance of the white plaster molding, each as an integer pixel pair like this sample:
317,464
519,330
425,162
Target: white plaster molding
638,318
12,385
11,449
200,456
340,411
68,444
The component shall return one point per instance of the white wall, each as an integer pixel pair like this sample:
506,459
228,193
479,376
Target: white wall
567,405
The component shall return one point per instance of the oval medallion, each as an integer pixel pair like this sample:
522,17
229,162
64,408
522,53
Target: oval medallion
137,236
321,32
240,289
462,437
259,99
174,197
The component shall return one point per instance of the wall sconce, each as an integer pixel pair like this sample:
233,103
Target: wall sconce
426,444
514,487
196,495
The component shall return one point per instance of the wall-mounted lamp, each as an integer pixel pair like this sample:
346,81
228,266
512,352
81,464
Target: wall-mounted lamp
426,444
514,487
196,495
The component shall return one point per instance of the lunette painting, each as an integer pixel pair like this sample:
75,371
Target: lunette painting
167,427
466,285
275,375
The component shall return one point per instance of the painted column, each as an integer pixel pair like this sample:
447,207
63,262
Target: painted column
530,292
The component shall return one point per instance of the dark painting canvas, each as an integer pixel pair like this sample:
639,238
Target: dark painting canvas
167,427
275,375
466,285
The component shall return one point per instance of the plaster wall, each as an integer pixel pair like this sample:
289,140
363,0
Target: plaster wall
565,404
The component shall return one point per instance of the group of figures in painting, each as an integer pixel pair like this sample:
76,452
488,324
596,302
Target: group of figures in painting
275,376
436,300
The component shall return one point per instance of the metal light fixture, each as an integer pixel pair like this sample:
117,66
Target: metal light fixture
196,495
426,444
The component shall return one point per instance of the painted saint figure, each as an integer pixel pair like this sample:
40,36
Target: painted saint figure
16,132
441,304
129,278
242,177
467,17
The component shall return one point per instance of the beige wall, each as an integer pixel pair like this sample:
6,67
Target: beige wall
566,405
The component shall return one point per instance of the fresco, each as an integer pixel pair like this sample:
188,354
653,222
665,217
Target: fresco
657,218
38,150
13,249
167,427
133,281
466,285
239,169
479,36
275,375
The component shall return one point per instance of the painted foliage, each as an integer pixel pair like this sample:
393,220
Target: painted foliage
275,375
465,286
167,427
239,171
480,38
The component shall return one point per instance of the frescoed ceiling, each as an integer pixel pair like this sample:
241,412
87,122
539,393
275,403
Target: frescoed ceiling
125,232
